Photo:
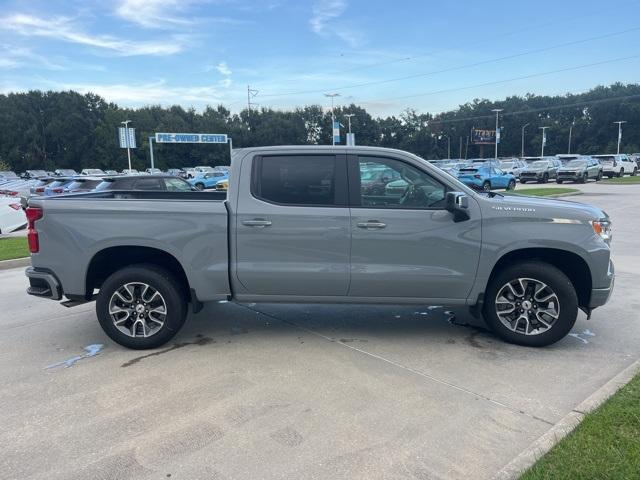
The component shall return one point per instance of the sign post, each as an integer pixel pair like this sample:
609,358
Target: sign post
151,149
127,138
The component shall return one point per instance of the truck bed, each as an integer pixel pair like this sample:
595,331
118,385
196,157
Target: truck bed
76,231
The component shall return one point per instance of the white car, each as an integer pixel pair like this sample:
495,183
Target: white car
91,171
617,165
12,216
512,165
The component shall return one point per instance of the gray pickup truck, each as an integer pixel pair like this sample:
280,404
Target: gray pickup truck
304,224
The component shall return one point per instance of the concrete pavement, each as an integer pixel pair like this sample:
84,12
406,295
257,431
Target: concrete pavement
301,392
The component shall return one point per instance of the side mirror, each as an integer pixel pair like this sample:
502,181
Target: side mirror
458,204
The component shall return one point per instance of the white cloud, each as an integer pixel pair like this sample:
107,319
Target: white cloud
324,11
223,68
225,82
15,57
323,22
62,28
153,13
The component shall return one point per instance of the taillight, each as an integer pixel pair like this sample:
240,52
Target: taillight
39,189
33,214
57,190
15,206
477,176
10,193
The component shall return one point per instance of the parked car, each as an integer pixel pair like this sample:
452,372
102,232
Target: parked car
203,169
12,216
207,179
8,175
65,172
145,182
617,165
111,172
37,187
153,171
176,172
130,171
189,172
223,185
31,174
374,180
512,165
539,169
92,172
57,187
486,178
579,170
82,184
290,232
634,157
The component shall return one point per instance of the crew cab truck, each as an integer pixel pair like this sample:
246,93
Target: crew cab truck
297,226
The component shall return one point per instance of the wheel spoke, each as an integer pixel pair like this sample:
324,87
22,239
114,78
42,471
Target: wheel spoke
149,314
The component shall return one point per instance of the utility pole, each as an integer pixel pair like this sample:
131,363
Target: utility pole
460,154
619,122
524,127
349,115
333,118
466,148
126,134
250,94
497,110
351,139
151,150
573,122
544,139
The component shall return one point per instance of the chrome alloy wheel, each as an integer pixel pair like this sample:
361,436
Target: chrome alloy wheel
137,309
527,306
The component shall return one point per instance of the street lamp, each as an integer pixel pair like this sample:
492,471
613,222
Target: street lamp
620,122
497,110
544,139
333,118
570,131
126,135
448,145
524,127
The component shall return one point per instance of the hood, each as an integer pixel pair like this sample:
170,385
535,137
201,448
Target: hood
571,169
536,207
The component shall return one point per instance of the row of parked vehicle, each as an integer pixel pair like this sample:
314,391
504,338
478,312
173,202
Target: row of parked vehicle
16,189
488,174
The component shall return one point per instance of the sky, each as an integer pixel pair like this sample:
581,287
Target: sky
384,56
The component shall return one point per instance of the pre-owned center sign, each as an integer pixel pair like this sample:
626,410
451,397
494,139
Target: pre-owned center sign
191,138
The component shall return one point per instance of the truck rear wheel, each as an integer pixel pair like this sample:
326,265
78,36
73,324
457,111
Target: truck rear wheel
532,304
141,306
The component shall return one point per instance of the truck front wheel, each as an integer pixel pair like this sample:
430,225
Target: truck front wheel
532,304
141,306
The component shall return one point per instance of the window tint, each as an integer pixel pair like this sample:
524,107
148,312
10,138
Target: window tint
176,185
403,187
147,184
296,180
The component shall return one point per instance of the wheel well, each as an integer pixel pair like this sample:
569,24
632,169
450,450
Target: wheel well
112,259
569,263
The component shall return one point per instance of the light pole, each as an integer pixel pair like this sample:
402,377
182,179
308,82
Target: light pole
524,127
349,115
126,136
497,110
544,139
448,145
333,118
620,122
570,131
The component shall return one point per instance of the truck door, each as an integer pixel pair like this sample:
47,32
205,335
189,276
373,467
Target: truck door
404,243
292,225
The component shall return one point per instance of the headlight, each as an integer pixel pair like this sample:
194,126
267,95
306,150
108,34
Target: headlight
602,228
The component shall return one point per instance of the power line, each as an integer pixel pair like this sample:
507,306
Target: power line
497,82
458,67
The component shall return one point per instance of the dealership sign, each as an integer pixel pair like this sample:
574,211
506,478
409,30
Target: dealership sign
191,138
483,137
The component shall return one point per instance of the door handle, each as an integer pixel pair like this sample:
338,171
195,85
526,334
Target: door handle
257,222
371,224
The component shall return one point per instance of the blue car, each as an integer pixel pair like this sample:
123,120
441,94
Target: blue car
208,179
486,177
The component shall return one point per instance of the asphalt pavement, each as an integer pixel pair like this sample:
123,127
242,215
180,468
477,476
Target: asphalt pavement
300,392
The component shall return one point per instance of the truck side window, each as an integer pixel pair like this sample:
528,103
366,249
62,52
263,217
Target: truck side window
296,179
176,185
389,183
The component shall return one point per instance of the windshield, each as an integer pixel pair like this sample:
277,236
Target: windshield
506,165
540,164
608,158
468,170
576,164
94,171
83,185
38,173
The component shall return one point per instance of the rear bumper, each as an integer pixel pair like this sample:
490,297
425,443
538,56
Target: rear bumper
43,283
600,296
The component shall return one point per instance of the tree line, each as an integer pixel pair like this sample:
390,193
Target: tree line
47,130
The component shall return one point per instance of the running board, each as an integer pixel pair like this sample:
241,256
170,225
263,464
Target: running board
78,301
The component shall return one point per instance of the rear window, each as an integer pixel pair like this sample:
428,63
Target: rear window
296,180
609,159
86,185
468,170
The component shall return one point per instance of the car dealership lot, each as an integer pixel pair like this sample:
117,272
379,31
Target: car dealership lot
269,391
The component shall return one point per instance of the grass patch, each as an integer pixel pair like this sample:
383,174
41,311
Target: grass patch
543,191
623,180
13,247
606,445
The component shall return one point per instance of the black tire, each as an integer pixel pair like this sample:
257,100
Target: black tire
551,276
511,185
545,178
584,178
559,181
621,172
199,186
486,186
523,181
599,177
635,172
160,280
